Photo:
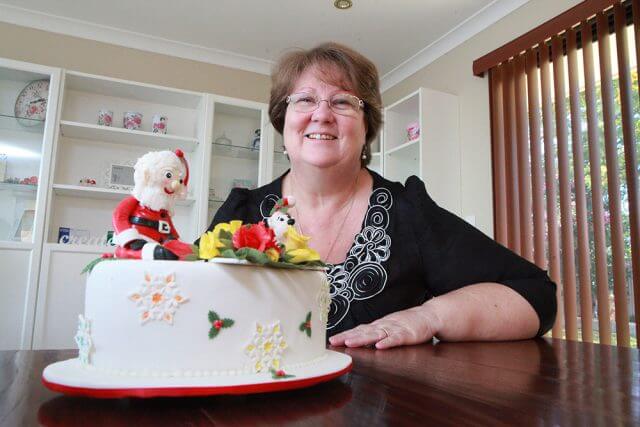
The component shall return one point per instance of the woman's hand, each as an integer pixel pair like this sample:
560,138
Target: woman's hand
413,326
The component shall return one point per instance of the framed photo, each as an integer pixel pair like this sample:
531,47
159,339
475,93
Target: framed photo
24,228
119,176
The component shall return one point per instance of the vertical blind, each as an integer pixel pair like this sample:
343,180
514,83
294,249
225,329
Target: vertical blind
565,112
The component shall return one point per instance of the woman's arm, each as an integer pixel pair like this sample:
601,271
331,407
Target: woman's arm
482,312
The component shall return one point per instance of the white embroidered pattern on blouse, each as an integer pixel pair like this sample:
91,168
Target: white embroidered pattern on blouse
361,276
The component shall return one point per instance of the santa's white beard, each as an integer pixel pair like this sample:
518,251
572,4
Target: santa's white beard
154,198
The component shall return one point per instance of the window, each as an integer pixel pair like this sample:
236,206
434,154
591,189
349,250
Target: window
565,119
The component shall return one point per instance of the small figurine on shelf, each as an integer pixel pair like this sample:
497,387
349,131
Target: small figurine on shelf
87,182
32,180
105,117
142,221
413,131
255,143
159,124
132,120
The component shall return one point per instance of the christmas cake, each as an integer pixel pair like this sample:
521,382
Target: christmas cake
247,305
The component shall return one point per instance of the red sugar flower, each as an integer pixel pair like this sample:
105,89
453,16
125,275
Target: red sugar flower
256,236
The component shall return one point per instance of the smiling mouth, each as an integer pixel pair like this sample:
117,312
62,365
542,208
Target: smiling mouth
320,136
168,191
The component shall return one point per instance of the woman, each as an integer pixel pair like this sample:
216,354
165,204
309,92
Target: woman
402,270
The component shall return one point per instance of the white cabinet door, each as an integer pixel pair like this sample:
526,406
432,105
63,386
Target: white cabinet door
14,290
61,294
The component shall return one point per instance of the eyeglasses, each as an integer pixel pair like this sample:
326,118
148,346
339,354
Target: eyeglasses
340,103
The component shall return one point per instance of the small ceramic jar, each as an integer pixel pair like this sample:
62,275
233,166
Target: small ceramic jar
159,124
132,120
105,117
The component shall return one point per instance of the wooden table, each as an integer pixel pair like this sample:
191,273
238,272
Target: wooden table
535,382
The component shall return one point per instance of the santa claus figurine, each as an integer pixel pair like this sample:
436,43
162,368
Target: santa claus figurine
142,221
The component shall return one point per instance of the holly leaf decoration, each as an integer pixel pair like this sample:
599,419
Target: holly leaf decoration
191,257
89,267
253,255
226,238
306,325
228,253
217,324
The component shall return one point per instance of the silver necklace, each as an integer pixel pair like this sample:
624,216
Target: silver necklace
344,220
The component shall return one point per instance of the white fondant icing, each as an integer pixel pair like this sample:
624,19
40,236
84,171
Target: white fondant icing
248,294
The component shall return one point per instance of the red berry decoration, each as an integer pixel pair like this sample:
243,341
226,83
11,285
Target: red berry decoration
280,374
217,323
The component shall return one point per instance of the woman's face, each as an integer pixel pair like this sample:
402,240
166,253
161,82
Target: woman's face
322,138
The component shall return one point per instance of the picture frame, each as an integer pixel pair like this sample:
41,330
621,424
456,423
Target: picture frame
119,176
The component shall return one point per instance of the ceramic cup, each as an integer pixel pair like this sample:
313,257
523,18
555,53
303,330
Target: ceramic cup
159,124
132,120
105,117
413,131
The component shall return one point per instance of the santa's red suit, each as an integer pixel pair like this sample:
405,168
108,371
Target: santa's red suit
142,233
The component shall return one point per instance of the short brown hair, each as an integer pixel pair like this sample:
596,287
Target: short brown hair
354,72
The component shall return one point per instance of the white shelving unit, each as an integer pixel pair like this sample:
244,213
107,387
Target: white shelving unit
101,193
238,157
435,155
75,130
26,148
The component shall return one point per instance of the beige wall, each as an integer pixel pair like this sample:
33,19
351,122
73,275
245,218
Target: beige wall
452,73
41,47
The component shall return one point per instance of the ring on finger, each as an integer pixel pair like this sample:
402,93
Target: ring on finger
386,333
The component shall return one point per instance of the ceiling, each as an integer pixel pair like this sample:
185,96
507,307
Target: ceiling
400,36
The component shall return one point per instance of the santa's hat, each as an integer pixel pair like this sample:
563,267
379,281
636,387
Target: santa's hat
283,205
180,155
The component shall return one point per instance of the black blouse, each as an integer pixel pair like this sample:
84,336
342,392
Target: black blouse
408,250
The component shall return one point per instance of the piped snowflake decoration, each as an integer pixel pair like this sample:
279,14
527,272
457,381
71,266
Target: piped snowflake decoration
83,339
158,298
324,299
266,347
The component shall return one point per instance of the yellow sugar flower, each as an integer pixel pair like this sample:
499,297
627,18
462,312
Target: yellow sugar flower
303,255
295,240
208,248
210,243
273,254
297,248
